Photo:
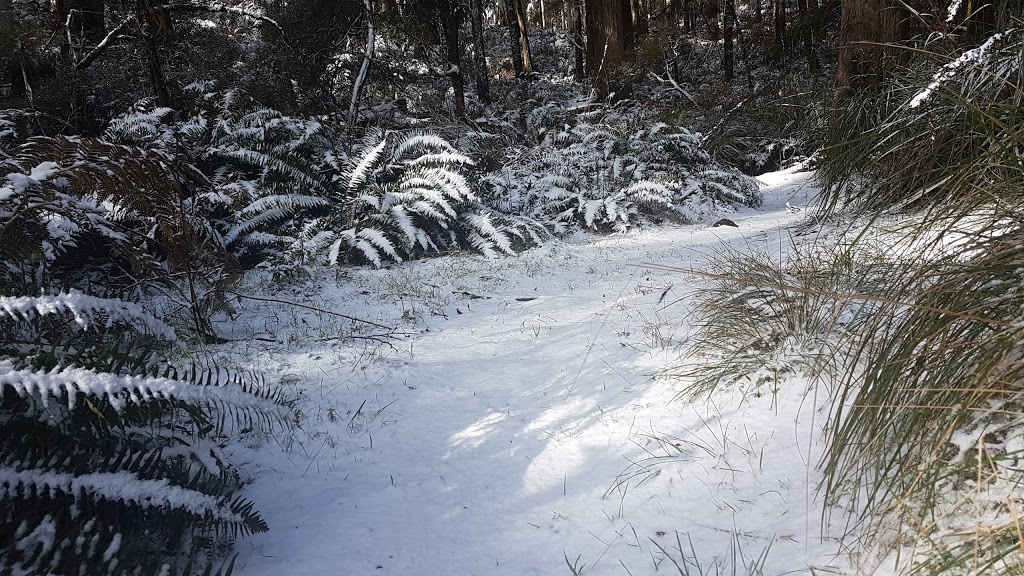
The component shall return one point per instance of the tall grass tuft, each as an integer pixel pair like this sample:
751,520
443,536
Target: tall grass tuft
924,339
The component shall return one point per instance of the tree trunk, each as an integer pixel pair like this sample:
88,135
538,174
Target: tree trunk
450,22
150,33
729,21
687,11
357,85
578,40
606,45
638,20
807,35
779,18
524,40
506,13
483,87
864,28
628,37
711,11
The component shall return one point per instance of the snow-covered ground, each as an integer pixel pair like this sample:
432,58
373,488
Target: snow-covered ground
521,426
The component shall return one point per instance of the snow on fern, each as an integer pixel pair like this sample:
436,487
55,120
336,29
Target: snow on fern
116,486
408,196
7,130
43,388
613,174
361,173
18,183
44,534
87,312
138,125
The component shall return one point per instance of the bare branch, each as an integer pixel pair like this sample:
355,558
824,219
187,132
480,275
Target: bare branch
668,79
231,10
390,329
92,55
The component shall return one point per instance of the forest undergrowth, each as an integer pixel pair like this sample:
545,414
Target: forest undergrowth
130,214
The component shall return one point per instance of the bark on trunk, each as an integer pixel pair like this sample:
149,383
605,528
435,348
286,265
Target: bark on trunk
580,49
807,35
606,48
711,11
507,13
483,87
357,86
150,33
779,18
865,27
451,23
730,26
639,20
524,40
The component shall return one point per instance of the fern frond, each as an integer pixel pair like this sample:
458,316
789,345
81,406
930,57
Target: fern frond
70,385
86,311
361,173
126,488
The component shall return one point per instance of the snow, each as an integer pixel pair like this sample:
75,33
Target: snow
122,486
19,183
524,419
87,312
949,71
954,8
46,387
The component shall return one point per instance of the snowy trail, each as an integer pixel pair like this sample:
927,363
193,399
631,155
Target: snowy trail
522,425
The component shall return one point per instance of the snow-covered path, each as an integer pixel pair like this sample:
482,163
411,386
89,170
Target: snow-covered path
521,425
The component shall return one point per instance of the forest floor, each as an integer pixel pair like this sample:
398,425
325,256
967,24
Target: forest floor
523,423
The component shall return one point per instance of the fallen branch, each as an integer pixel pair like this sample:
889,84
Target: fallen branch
735,110
390,329
102,46
668,79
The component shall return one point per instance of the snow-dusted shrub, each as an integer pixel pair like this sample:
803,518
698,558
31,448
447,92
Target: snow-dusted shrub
108,463
608,174
267,171
406,195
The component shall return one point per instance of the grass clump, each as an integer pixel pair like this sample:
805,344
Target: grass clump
921,344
